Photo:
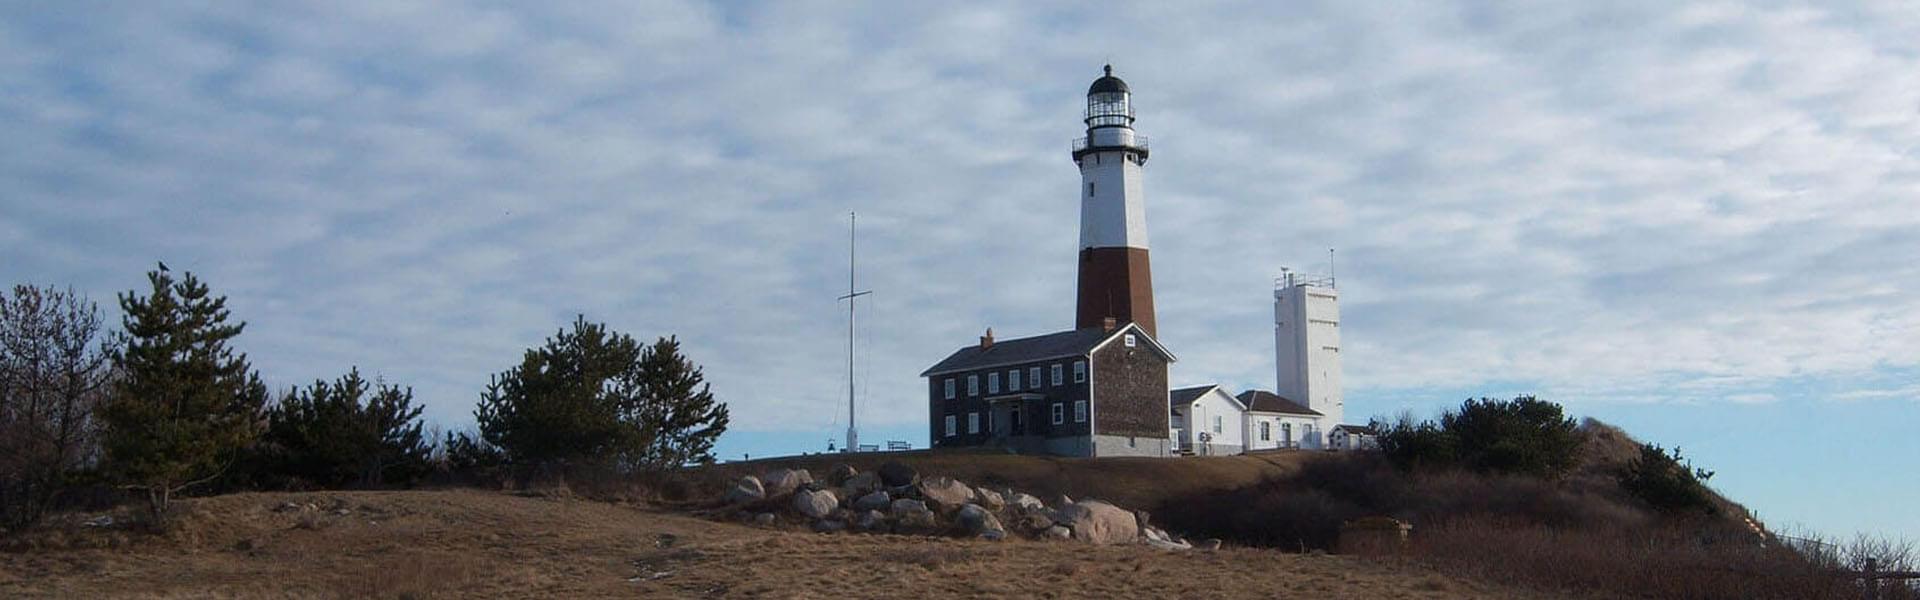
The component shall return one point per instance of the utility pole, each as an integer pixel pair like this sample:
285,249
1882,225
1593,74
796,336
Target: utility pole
853,433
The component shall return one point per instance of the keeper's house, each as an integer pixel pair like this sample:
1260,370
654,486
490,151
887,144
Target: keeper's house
1097,391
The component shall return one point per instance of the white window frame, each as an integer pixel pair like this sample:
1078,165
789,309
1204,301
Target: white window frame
973,423
950,388
1013,380
1079,411
1130,341
1266,431
1059,413
1079,371
973,385
993,382
1033,375
1059,374
951,425
1219,424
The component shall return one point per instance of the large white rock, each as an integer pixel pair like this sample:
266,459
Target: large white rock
1099,523
980,522
944,494
780,482
989,499
748,489
815,504
1025,502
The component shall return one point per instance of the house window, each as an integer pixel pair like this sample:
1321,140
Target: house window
1219,423
1059,413
1079,411
1013,380
1033,376
973,385
949,388
1079,371
950,422
1266,431
1057,379
993,382
1131,342
973,422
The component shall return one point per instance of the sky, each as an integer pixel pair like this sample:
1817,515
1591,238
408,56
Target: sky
1696,221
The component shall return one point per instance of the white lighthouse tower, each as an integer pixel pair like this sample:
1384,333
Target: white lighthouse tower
1115,279
1306,340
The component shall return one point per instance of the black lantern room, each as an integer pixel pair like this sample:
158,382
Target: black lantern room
1109,103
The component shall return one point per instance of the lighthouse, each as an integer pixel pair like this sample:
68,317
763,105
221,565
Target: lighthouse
1115,280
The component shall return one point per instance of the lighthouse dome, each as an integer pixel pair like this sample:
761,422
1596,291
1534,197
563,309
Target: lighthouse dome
1108,84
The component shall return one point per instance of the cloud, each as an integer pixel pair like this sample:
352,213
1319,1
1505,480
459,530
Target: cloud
1624,202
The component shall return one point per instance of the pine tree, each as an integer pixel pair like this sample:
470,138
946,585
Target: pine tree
183,403
674,409
334,434
593,396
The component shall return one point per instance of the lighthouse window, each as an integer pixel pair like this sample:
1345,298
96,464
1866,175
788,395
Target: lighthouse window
1089,189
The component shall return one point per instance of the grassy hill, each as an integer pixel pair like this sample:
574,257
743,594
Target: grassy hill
480,544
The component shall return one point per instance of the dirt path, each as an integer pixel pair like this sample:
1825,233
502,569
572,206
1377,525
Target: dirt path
464,543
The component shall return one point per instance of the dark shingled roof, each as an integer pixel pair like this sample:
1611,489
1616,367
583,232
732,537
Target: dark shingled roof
1265,401
1185,396
1005,352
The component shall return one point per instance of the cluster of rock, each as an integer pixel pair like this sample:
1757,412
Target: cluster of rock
895,499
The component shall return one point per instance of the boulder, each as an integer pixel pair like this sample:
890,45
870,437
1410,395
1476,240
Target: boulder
815,504
829,525
1061,501
780,482
870,520
989,499
1168,545
875,501
1099,523
903,506
1024,502
898,474
860,484
980,522
1036,522
944,494
1209,544
840,473
764,519
748,489
1057,533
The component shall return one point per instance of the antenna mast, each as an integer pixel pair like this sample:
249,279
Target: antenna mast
853,434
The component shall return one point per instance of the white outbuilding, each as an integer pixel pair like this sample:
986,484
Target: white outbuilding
1207,421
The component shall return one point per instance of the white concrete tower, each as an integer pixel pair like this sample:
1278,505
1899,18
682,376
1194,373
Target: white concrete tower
1306,341
1115,278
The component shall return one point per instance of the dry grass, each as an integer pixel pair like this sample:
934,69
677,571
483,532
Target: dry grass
465,543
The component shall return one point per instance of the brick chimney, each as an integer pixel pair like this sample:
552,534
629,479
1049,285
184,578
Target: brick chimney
1109,324
986,341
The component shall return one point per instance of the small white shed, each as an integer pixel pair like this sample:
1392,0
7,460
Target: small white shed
1207,421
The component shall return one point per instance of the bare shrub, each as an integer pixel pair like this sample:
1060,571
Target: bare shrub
53,368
